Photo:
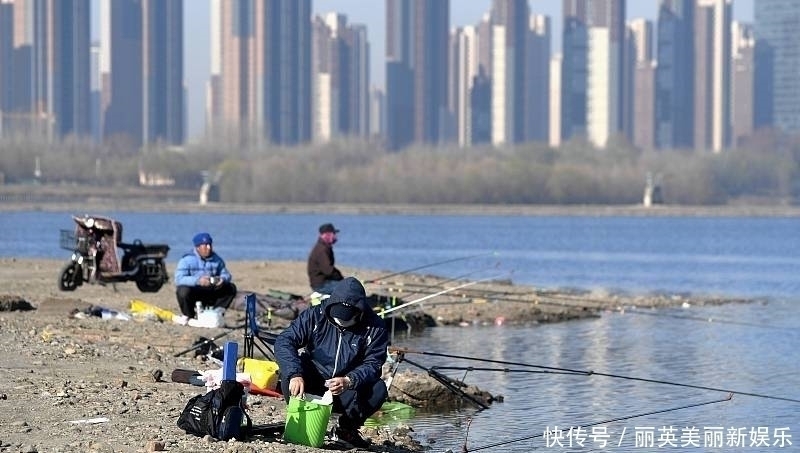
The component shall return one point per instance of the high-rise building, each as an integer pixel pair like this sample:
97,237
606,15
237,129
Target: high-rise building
537,80
510,28
742,82
51,67
264,60
605,95
592,76
142,67
640,96
6,61
480,99
377,114
778,64
554,134
674,103
357,40
95,95
340,78
213,102
416,71
465,67
712,78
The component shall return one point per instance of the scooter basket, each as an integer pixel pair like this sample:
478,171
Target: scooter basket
69,241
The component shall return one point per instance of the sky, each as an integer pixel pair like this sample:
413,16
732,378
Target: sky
372,14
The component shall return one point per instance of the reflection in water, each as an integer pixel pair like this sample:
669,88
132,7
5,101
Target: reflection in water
761,360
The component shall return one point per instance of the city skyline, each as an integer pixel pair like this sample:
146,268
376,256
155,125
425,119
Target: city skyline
462,12
201,74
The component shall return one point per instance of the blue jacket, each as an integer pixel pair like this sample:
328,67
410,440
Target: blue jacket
192,266
357,352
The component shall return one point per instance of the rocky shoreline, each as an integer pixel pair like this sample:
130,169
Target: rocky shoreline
89,384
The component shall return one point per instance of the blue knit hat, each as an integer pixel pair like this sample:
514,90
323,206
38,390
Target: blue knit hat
201,238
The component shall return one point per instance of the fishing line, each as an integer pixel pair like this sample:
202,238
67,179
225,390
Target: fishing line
604,422
710,320
596,373
438,263
467,369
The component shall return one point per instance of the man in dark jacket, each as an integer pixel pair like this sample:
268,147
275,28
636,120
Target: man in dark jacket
344,344
322,272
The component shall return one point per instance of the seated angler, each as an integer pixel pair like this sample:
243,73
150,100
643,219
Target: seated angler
201,276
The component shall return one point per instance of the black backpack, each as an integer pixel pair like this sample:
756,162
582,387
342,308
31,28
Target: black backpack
219,413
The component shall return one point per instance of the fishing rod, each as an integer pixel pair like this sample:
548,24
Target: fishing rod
423,287
597,373
561,301
604,422
448,383
430,296
438,263
449,280
209,341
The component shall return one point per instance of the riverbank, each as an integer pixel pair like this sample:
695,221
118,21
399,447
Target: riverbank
57,371
89,199
177,206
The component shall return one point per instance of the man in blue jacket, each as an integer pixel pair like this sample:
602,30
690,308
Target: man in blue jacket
344,345
201,275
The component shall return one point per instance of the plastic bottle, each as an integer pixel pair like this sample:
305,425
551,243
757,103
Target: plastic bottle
198,308
113,314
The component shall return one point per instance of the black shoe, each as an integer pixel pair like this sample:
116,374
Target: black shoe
350,436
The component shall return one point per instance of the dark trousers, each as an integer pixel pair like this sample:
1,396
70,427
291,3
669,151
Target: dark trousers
210,296
354,405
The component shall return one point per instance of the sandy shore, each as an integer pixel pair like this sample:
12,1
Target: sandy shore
56,368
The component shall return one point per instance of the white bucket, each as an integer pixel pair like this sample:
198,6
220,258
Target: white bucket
210,318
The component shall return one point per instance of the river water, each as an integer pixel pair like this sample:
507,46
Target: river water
747,349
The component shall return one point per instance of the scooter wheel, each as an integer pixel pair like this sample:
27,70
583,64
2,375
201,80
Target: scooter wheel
149,286
70,277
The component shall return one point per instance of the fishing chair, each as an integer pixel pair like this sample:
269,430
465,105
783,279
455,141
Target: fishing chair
254,338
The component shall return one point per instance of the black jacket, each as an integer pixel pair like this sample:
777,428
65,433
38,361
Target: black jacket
357,352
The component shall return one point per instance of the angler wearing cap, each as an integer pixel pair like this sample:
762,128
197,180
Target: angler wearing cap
322,272
344,345
201,276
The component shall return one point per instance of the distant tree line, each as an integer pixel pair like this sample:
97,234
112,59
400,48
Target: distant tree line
766,169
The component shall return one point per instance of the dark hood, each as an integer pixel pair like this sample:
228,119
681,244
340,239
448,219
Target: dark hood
348,291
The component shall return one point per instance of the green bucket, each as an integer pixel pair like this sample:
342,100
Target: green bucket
306,422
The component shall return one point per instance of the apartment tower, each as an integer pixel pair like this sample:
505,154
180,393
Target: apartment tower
537,85
51,67
6,61
640,96
674,102
742,82
510,28
263,84
417,36
712,75
340,78
142,72
778,63
592,69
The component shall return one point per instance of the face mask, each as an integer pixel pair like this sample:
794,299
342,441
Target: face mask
343,323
